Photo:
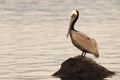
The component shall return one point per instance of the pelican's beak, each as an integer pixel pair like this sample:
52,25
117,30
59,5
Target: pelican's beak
68,31
71,21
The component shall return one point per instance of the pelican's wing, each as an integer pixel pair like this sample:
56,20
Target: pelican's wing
95,49
84,42
82,34
95,42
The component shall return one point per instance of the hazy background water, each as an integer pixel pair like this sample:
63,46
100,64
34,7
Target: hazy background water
33,40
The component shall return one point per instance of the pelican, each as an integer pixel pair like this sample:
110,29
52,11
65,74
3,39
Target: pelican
81,40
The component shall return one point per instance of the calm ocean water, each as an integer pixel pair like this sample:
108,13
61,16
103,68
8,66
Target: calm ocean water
33,40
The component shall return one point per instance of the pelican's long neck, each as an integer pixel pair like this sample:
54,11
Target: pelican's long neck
72,23
73,20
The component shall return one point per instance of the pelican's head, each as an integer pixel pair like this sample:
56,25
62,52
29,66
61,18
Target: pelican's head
74,17
74,12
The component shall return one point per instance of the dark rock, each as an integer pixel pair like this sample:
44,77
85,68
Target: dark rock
82,68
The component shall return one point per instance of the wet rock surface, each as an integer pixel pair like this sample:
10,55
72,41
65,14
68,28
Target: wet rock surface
82,68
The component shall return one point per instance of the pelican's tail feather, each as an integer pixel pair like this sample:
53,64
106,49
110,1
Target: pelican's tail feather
96,55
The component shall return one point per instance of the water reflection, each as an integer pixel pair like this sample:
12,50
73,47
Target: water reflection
79,78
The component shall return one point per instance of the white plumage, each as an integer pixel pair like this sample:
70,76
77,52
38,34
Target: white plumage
73,12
